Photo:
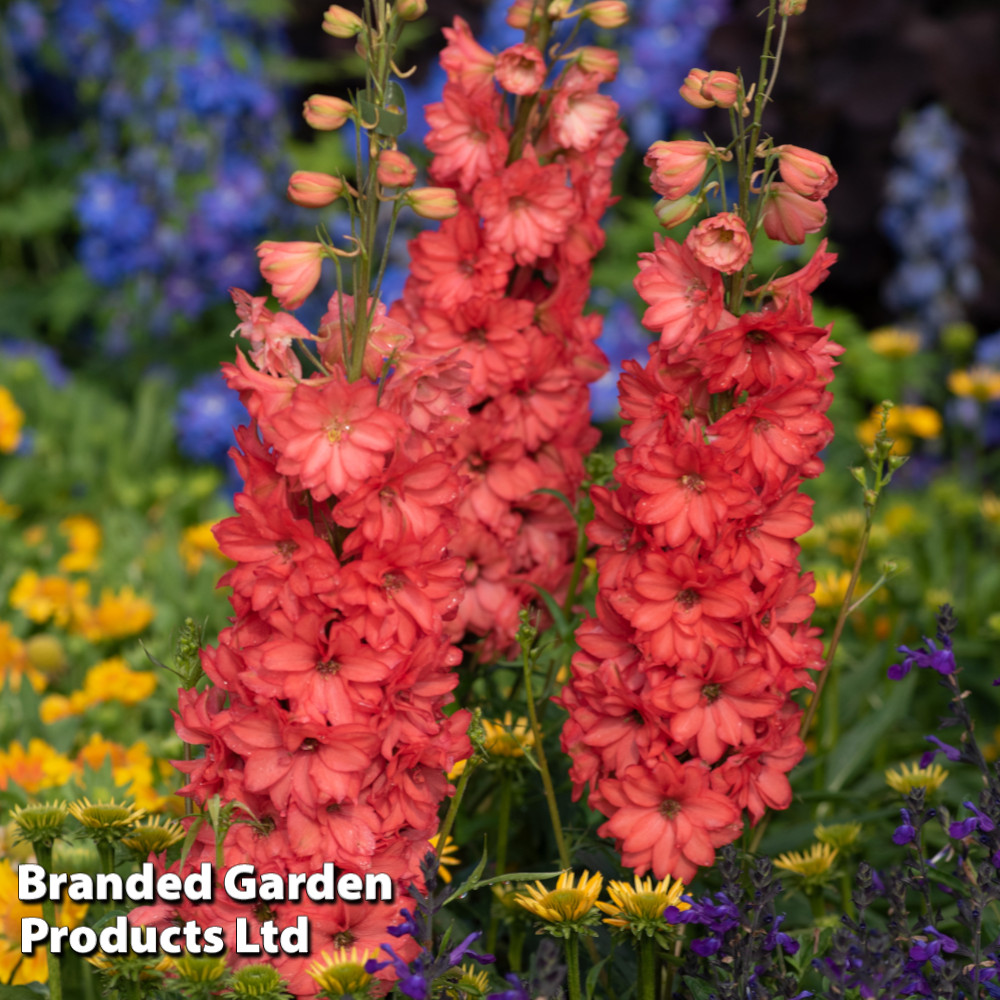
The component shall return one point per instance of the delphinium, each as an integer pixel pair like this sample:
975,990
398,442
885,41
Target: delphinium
322,728
528,142
183,133
681,715
926,218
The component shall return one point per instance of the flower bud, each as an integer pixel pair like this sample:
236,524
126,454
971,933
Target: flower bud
311,189
519,15
673,213
558,9
721,88
596,59
433,203
326,113
607,13
691,89
341,23
291,269
411,10
395,169
678,167
805,172
788,216
789,8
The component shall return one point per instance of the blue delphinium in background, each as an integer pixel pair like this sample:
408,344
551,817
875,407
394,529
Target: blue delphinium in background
182,132
622,339
926,218
207,411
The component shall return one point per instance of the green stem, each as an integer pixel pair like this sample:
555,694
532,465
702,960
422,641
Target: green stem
647,969
503,835
449,819
574,580
573,967
107,855
516,949
543,765
43,852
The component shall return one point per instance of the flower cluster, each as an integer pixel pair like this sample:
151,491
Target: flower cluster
926,218
680,708
501,288
324,721
187,132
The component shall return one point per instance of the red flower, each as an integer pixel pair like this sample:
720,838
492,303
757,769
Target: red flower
668,818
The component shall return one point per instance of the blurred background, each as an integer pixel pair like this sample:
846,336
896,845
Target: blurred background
146,147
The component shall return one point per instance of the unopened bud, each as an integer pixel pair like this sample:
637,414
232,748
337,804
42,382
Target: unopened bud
519,15
395,169
326,113
721,88
433,203
789,8
558,9
342,23
607,13
596,59
673,213
311,189
411,10
691,89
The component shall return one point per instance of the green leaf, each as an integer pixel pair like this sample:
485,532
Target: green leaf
38,210
700,990
591,982
471,882
199,821
516,877
559,619
855,747
558,496
33,991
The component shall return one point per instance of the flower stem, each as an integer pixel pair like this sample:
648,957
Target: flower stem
43,852
573,968
456,801
543,765
647,969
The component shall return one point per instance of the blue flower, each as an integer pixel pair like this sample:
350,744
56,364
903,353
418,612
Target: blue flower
942,660
905,833
953,754
518,990
206,414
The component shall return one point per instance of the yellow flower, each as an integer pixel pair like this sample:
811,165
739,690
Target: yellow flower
508,738
154,836
890,342
132,768
11,421
40,766
342,972
30,968
456,772
449,856
831,589
55,708
476,983
83,536
565,904
104,819
810,864
990,507
909,776
903,424
9,511
640,906
112,679
117,616
981,383
41,598
14,662
197,542
838,835
34,535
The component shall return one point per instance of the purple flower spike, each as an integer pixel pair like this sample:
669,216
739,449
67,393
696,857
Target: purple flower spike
905,833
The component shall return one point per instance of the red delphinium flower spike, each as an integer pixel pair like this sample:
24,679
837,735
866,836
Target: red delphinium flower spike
680,708
503,287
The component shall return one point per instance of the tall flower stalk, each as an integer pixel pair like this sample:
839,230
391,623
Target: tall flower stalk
680,704
528,143
322,727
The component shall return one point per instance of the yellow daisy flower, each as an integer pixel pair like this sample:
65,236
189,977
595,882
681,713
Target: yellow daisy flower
981,383
909,776
566,904
508,738
893,343
342,972
84,539
810,865
639,907
449,856
11,421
